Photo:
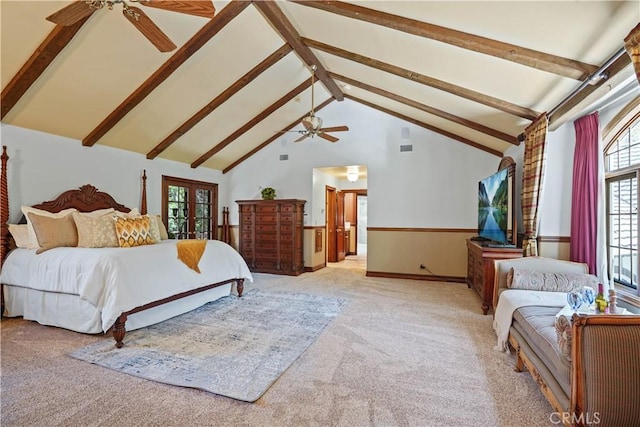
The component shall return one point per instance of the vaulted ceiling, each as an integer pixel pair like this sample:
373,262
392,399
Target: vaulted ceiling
478,72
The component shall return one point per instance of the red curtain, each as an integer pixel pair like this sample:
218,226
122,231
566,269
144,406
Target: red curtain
584,199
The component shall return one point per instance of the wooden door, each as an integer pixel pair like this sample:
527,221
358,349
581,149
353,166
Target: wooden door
330,221
340,238
190,208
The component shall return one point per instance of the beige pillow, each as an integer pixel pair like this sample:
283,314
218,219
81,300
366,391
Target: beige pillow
98,212
164,235
54,232
133,213
20,233
133,231
154,230
96,231
551,282
26,210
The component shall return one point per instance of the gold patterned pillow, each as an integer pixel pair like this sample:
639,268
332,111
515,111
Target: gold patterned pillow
133,231
96,231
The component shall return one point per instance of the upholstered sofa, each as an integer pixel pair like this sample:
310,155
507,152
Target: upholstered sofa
598,381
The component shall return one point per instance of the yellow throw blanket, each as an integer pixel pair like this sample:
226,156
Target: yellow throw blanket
190,252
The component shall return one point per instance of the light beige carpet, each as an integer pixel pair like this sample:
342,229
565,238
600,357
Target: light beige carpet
402,353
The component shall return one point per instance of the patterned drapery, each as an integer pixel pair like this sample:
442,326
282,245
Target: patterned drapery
632,45
535,153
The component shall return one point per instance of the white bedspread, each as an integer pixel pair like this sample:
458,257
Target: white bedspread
116,280
512,299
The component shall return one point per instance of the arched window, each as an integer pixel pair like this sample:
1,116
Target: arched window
622,165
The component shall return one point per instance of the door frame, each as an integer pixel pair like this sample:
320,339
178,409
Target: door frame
192,185
330,200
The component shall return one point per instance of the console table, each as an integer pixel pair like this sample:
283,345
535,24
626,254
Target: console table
480,270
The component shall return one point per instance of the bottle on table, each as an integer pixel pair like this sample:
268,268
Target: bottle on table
601,302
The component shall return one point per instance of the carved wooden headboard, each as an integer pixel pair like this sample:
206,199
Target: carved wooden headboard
85,199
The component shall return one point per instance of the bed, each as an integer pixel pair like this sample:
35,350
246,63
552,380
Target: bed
96,290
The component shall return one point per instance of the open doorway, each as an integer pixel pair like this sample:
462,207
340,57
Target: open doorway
343,191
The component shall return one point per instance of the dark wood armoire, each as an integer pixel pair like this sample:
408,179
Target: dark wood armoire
271,235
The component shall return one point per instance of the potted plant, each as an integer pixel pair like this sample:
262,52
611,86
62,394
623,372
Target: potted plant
268,193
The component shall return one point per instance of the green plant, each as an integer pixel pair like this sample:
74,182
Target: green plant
268,193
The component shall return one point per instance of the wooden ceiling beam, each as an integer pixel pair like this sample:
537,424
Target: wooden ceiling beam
542,61
460,91
282,25
427,109
37,63
219,100
426,126
210,29
251,123
275,136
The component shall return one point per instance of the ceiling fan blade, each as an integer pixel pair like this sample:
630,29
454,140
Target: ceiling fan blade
202,8
335,129
151,31
71,14
306,135
327,137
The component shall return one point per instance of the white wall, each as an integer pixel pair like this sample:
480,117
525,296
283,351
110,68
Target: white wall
42,165
435,185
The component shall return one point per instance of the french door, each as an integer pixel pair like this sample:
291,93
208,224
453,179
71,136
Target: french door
190,208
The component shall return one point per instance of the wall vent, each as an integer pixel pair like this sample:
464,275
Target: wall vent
284,157
407,147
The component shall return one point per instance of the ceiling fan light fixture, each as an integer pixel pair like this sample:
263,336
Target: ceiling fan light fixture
352,176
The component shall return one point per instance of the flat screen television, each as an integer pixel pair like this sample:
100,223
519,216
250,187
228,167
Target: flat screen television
494,207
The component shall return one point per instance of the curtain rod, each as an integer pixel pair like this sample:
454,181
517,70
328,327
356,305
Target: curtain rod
597,75
594,77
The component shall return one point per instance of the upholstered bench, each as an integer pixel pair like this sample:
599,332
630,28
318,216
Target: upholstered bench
600,382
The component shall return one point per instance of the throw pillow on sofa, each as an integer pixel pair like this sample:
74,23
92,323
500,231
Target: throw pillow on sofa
553,282
563,331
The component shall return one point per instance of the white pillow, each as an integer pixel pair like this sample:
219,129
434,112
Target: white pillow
32,234
20,233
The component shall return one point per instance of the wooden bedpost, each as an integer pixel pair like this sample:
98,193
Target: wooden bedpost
143,203
226,232
4,218
4,207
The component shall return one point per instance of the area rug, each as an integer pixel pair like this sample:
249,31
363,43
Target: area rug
234,347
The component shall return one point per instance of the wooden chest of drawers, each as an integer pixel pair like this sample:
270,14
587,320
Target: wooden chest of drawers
271,233
480,269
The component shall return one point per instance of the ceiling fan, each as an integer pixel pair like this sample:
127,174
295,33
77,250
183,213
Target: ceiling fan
80,9
313,123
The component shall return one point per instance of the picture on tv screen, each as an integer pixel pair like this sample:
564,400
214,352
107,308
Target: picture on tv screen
493,207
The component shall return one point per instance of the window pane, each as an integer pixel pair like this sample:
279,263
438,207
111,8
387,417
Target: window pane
634,231
614,197
625,267
623,140
614,230
635,151
625,196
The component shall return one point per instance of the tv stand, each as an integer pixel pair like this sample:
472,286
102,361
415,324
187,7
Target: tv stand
480,270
